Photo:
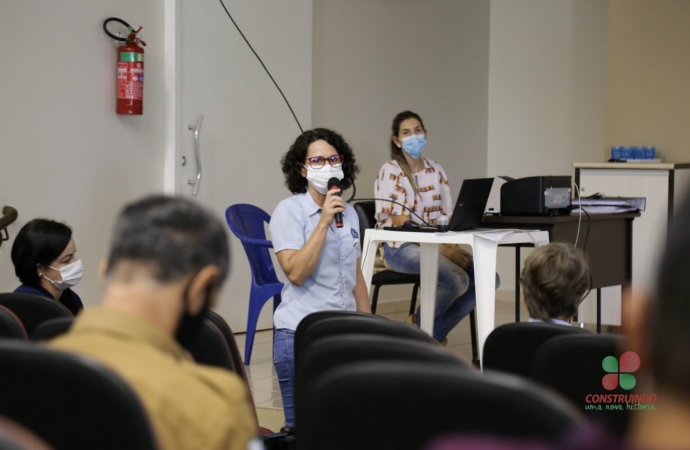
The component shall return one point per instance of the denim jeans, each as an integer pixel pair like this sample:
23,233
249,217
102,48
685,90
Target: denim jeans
455,292
284,362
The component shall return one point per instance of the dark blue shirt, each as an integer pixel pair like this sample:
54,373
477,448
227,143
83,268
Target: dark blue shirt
68,298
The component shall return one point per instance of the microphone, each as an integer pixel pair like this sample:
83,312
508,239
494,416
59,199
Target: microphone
334,183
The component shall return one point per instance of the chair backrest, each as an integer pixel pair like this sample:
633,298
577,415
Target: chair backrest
212,348
328,353
70,401
400,406
224,328
13,436
511,347
33,309
336,323
247,223
572,365
366,211
52,328
10,325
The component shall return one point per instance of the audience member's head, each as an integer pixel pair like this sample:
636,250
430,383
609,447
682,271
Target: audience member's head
41,250
170,246
294,162
663,320
660,332
167,260
554,279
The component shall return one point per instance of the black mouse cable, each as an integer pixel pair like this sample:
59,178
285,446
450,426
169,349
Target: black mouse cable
386,200
392,201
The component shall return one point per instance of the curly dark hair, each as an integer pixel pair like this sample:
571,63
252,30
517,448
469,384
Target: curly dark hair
293,161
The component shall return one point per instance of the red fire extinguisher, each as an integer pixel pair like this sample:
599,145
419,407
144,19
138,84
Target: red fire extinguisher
130,70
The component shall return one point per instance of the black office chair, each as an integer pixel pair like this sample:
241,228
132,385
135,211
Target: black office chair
52,328
226,332
365,211
337,323
572,365
328,353
511,347
210,348
216,346
392,405
10,325
70,401
33,309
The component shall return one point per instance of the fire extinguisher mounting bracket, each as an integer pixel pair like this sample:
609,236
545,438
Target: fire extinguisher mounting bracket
120,21
131,32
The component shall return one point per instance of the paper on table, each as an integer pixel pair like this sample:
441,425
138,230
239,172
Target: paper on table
603,209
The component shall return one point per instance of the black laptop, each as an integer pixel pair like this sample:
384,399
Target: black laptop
469,207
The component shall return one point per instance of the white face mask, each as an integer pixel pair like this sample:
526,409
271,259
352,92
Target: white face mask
71,274
318,178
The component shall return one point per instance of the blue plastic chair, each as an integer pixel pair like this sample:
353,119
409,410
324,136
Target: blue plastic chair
247,223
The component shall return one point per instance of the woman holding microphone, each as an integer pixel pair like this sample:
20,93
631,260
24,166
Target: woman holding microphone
319,259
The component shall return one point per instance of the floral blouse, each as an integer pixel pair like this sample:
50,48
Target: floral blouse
432,200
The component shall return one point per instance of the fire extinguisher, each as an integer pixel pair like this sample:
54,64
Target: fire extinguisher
130,70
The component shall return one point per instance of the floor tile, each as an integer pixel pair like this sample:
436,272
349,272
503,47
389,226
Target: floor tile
270,417
264,396
269,384
275,403
259,371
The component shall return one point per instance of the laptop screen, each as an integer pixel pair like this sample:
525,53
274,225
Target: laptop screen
471,203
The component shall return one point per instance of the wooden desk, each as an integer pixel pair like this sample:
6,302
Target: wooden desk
608,246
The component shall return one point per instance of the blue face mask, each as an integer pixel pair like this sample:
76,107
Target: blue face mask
414,145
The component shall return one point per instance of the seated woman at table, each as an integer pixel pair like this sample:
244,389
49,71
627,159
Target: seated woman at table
419,187
554,280
45,261
320,260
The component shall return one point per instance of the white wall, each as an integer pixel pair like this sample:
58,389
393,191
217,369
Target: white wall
547,92
247,126
65,153
375,58
68,156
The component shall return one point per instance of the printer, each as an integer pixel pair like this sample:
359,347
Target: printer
536,196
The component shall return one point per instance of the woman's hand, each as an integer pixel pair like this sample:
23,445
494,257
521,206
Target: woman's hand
298,265
457,255
331,206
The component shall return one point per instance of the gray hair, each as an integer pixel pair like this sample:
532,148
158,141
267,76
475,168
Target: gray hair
174,236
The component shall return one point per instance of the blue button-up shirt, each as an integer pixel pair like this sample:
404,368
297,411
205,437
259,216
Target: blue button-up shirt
331,284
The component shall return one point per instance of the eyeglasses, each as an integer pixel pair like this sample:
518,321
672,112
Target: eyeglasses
318,162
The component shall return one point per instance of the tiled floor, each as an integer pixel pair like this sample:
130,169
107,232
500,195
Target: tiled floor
262,377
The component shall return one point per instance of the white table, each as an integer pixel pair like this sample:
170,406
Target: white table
484,244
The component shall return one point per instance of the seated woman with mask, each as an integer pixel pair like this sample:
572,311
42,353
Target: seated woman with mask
45,261
410,187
